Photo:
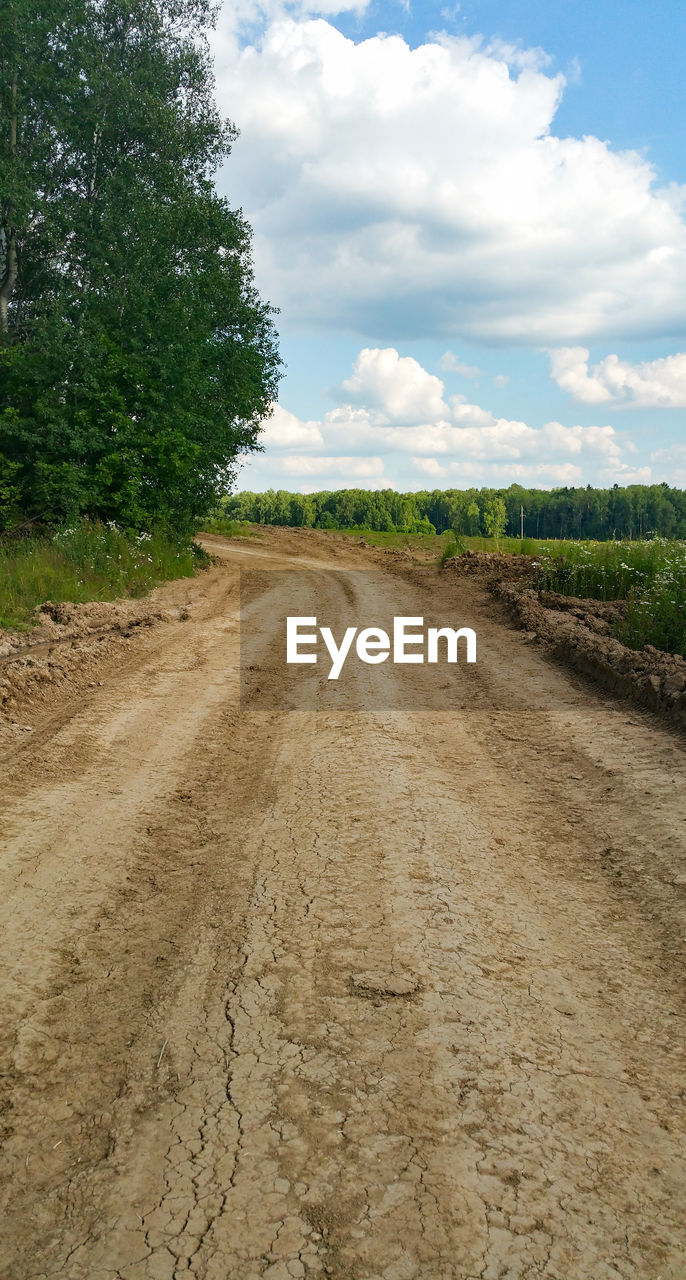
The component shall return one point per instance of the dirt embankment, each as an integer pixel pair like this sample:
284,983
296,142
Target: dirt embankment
580,633
68,648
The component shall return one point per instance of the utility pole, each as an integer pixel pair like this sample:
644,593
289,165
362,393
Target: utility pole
521,521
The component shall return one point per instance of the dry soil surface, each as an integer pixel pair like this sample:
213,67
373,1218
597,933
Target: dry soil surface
383,994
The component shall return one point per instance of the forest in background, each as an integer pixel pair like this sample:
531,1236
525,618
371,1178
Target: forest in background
637,511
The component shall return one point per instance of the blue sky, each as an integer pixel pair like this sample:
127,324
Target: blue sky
473,220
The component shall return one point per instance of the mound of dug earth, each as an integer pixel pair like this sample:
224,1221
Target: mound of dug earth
579,631
491,565
66,646
597,615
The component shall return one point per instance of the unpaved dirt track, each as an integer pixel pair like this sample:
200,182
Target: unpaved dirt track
384,995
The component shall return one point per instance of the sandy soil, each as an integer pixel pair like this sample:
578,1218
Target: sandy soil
391,994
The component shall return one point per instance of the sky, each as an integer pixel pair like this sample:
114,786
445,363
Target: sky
472,218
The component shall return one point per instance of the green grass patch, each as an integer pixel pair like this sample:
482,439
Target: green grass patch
431,542
228,528
88,562
458,543
607,570
656,613
649,575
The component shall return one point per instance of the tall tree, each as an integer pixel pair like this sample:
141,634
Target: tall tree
137,359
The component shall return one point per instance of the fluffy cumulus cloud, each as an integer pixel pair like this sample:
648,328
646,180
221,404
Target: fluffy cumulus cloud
397,427
353,468
250,16
412,192
284,431
396,386
653,384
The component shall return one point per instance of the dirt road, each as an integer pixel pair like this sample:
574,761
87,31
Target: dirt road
386,994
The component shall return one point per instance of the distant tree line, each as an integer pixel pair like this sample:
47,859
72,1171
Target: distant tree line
631,512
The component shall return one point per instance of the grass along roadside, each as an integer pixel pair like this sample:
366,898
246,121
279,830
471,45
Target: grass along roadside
649,575
224,526
87,562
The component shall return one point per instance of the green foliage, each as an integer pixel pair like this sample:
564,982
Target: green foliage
472,519
631,513
221,524
87,562
656,611
384,511
9,494
495,517
650,576
455,547
605,570
137,360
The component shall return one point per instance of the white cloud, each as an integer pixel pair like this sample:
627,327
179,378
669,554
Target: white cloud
341,466
241,16
471,415
543,474
450,362
501,380
365,439
675,453
622,474
653,384
421,191
397,386
431,466
283,430
602,440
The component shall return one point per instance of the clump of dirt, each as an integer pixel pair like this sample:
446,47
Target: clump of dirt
491,565
580,632
597,615
66,646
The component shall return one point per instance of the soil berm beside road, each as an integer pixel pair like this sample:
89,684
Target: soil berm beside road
384,994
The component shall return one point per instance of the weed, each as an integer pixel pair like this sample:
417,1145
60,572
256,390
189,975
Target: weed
221,524
87,562
649,575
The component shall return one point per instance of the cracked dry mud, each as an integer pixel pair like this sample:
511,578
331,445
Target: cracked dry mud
380,995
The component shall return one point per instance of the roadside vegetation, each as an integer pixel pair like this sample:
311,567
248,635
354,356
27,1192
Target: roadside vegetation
136,365
87,562
221,524
637,511
650,576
